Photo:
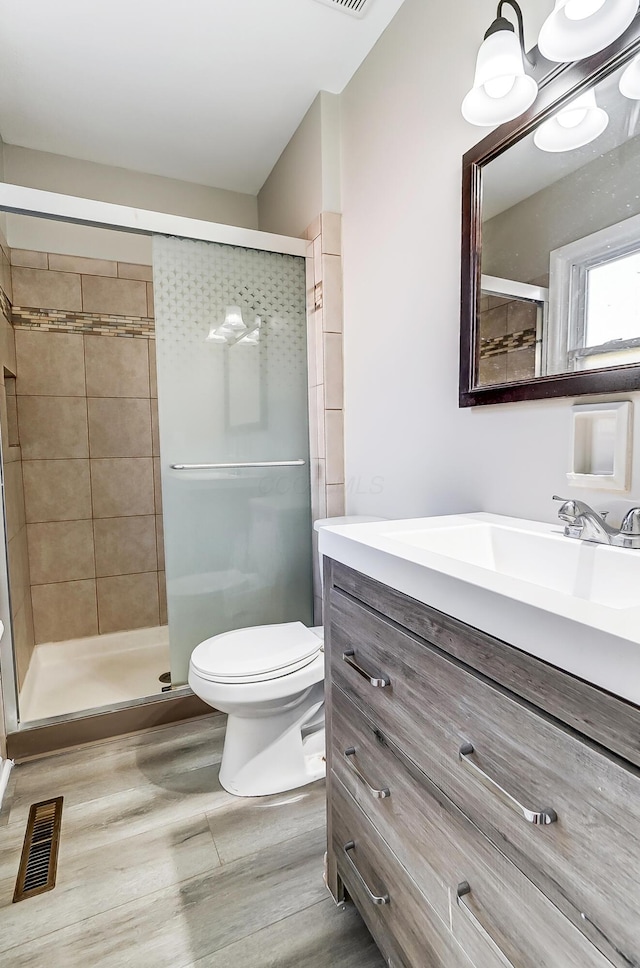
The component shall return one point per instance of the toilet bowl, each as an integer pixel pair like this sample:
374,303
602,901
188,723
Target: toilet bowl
269,679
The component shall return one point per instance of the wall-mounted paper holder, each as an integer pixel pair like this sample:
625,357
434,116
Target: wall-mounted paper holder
600,452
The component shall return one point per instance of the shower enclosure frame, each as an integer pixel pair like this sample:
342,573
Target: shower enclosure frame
18,200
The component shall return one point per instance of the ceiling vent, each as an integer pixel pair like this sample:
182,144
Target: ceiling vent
357,8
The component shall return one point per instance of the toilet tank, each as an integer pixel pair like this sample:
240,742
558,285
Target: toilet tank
330,522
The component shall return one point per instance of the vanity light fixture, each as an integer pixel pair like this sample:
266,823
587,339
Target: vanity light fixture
215,336
233,321
234,329
230,330
579,28
630,81
580,122
501,89
252,337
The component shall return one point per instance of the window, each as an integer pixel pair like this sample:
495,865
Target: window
595,300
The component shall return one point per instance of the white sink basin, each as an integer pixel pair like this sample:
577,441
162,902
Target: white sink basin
610,576
573,603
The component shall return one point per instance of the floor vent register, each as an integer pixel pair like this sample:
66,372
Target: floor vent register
39,859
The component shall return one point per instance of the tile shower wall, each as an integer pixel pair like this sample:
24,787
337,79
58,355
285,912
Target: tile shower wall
17,552
324,339
507,340
87,419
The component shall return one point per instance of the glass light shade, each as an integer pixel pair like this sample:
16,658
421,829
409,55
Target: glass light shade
630,81
233,319
576,125
214,335
579,28
579,9
253,336
501,90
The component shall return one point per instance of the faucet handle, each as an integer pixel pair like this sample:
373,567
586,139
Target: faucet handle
570,503
565,501
569,510
631,522
572,509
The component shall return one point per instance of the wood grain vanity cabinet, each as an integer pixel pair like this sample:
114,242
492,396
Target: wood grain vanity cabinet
484,806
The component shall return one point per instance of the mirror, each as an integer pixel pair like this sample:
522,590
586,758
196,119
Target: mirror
551,239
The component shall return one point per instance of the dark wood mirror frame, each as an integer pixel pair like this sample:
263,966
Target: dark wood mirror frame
558,84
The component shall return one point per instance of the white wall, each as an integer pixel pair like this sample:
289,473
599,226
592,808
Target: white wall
306,178
409,449
70,176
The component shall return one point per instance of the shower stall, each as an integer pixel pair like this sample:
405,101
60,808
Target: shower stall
234,439
156,475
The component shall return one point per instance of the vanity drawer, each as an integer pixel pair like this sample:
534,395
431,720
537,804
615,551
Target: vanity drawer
394,797
408,931
587,861
498,916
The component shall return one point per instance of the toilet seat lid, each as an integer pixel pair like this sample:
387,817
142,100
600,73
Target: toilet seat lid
261,652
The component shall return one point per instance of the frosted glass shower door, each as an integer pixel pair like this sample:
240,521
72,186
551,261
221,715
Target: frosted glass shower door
237,538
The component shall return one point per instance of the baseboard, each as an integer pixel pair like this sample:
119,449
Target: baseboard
5,770
82,730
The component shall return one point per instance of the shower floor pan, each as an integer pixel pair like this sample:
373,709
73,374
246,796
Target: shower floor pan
65,677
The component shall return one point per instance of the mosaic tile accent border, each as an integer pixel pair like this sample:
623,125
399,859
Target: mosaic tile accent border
503,344
5,304
100,324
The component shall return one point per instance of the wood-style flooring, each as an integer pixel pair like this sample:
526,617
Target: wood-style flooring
159,866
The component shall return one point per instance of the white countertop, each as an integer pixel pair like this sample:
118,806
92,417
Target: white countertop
574,604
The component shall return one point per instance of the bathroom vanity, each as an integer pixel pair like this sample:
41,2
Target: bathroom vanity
484,803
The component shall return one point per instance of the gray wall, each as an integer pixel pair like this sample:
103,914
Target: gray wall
516,243
71,176
306,178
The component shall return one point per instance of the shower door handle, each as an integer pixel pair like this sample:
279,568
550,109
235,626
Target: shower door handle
254,463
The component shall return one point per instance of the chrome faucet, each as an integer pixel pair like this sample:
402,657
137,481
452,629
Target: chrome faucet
581,521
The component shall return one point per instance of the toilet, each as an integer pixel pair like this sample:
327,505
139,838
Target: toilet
269,679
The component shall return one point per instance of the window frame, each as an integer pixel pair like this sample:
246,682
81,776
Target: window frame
569,268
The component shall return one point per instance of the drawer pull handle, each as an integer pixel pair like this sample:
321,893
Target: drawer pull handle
378,682
545,816
461,891
377,794
374,898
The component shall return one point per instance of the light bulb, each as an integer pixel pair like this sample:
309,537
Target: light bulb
580,9
572,117
499,86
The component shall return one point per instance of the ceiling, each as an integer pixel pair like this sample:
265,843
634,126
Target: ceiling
208,91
